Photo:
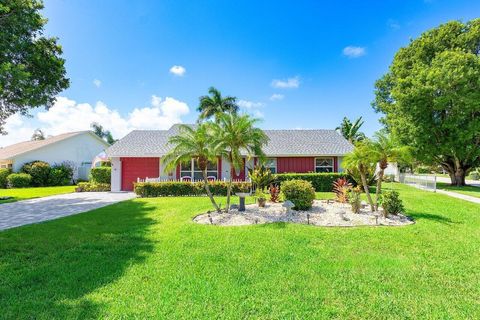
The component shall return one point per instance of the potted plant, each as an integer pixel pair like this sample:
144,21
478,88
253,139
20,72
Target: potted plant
261,198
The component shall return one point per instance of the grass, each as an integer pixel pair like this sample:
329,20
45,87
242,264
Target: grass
29,193
467,190
145,258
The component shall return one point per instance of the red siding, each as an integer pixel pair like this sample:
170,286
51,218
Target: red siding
335,164
240,176
295,164
133,168
219,168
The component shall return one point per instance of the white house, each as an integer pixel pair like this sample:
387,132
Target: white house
78,148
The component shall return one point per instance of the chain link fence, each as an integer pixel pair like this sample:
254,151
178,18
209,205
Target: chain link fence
421,181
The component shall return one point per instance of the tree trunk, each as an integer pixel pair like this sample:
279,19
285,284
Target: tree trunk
379,187
367,192
457,176
209,193
229,191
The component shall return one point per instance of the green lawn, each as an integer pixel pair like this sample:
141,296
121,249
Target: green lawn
145,258
468,190
29,193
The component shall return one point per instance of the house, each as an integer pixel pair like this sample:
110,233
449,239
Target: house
79,148
138,154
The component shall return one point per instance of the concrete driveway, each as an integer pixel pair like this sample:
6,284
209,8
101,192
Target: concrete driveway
48,208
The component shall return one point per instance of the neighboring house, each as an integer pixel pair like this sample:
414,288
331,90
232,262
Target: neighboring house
79,148
138,154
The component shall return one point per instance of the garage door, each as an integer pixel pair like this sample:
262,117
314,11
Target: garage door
133,168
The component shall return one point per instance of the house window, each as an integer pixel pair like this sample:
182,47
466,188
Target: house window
191,170
271,163
324,165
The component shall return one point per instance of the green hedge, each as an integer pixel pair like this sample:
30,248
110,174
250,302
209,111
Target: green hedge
321,182
39,171
19,180
101,174
93,187
4,173
177,188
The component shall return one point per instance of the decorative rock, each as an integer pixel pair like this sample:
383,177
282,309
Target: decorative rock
288,205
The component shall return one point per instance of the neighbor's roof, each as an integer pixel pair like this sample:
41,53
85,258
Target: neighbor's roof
150,143
14,150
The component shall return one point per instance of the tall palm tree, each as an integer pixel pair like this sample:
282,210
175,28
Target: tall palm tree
351,131
214,104
360,159
385,150
193,143
235,136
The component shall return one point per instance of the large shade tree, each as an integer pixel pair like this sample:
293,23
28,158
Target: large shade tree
193,143
430,97
351,130
215,104
32,71
237,136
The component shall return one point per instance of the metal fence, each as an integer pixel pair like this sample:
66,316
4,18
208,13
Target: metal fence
422,181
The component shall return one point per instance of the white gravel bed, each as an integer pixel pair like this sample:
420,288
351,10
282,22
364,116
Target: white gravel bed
322,213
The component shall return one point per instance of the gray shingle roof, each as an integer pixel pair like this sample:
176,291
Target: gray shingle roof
145,143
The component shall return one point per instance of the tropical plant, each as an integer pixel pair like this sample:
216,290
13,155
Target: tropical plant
193,143
354,199
39,172
385,150
274,193
102,133
260,176
214,104
430,97
235,137
341,186
361,159
351,131
32,72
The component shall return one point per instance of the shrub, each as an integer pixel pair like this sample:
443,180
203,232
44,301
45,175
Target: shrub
4,173
391,203
93,187
261,177
341,186
180,188
39,171
19,180
300,192
322,182
101,174
354,198
274,193
61,174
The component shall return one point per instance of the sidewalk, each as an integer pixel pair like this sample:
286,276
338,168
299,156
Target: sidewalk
459,196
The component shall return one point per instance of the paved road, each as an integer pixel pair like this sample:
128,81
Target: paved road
48,208
474,183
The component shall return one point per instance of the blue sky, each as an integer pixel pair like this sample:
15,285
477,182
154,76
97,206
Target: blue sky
325,56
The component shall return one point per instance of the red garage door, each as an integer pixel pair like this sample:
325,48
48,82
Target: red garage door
133,168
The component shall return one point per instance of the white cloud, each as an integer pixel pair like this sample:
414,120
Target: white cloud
178,70
250,104
67,115
286,84
97,83
276,97
354,52
393,24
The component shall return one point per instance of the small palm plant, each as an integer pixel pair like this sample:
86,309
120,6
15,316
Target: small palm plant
351,131
360,159
193,143
235,137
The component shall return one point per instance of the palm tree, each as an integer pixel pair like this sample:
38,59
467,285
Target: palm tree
235,136
194,144
360,159
351,131
214,104
385,150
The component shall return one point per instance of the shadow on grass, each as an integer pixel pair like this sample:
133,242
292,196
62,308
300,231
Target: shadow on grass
429,216
47,270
